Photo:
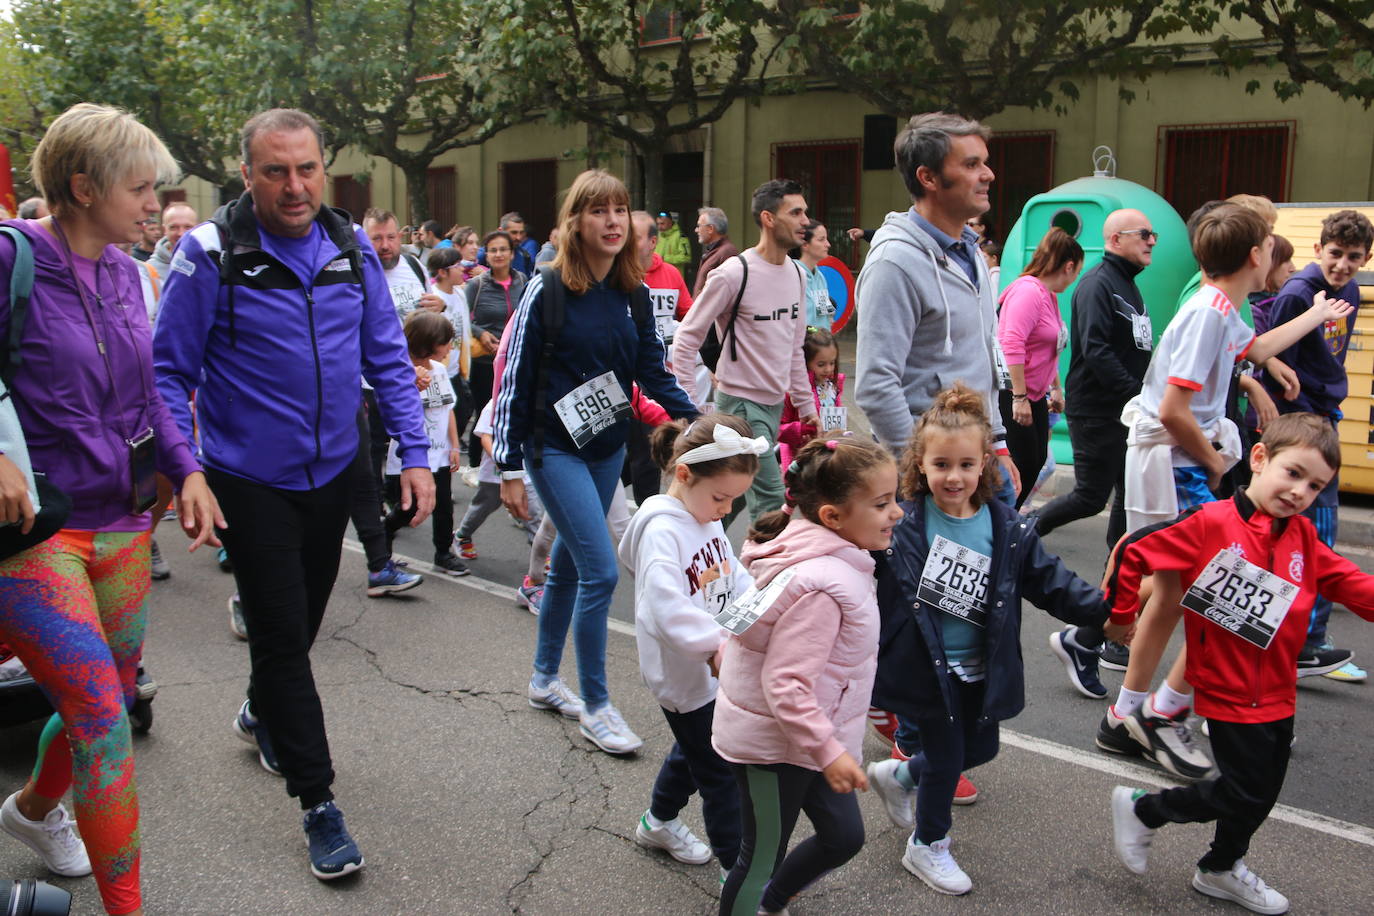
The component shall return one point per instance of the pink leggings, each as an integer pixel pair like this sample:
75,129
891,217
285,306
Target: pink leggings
73,610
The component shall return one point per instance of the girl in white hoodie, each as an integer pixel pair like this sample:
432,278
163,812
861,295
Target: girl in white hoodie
686,572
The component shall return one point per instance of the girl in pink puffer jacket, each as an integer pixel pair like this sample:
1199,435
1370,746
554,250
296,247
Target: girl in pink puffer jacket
796,676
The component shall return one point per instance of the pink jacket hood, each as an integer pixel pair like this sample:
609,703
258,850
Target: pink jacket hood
795,686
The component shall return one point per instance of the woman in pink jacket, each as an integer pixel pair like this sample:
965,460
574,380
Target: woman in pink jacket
796,676
1032,333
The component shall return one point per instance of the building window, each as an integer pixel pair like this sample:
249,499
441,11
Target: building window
171,195
530,188
352,195
441,191
1203,162
1023,162
829,176
660,23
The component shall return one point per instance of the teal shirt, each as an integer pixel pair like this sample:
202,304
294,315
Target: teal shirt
964,642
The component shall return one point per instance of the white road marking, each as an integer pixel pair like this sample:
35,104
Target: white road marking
477,583
1118,767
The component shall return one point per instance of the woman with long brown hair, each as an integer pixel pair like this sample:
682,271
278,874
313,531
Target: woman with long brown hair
575,445
1032,332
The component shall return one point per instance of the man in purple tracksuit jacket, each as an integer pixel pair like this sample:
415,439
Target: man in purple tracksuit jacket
272,340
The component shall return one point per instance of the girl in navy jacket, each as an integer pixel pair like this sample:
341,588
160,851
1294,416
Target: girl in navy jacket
949,593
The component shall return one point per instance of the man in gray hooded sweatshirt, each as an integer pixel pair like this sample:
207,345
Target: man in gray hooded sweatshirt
927,307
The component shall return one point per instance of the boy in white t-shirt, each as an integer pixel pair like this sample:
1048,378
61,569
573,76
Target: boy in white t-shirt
429,338
1179,445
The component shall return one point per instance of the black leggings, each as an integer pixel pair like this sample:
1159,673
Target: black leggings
285,546
1028,445
771,798
441,519
481,375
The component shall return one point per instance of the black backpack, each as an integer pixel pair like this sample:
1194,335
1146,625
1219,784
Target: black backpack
714,343
553,299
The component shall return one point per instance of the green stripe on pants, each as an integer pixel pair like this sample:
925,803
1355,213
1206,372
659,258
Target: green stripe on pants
767,806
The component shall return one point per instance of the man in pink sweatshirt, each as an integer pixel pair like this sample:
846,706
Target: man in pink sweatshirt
761,358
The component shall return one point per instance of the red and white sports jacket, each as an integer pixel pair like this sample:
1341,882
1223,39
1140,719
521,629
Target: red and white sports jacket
1233,679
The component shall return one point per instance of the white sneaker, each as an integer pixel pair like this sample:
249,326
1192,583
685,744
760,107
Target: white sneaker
52,838
935,866
1131,836
897,798
674,838
607,730
1240,885
555,696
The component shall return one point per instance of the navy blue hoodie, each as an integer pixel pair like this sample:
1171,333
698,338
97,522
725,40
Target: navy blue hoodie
599,334
1319,357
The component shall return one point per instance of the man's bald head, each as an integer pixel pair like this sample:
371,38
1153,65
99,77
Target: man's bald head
178,219
1130,235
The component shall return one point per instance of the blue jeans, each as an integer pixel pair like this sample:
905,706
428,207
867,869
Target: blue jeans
1324,519
582,573
1006,490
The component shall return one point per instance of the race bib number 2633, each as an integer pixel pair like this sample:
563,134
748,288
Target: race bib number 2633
1239,596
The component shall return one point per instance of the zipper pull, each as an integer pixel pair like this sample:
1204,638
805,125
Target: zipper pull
100,345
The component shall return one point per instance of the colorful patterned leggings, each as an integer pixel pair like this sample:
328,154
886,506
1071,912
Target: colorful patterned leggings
73,610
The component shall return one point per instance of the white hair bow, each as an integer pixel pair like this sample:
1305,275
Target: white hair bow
726,443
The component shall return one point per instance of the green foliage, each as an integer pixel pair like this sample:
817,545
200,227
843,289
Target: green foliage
405,80
585,63
978,57
1323,42
21,116
164,60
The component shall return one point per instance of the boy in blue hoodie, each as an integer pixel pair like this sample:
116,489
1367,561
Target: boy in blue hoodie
1319,360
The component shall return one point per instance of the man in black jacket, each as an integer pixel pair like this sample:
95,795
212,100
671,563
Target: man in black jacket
1109,350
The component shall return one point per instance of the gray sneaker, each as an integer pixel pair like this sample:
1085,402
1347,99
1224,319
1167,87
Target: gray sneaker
557,697
237,625
159,568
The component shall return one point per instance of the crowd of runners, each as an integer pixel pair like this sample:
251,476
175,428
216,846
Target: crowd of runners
266,376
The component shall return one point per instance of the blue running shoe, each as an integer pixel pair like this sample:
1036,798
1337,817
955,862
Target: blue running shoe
333,853
247,727
390,580
1081,664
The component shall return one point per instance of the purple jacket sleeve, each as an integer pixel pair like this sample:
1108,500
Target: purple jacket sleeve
387,367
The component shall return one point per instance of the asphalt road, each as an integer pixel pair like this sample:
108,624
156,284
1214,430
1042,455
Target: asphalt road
465,800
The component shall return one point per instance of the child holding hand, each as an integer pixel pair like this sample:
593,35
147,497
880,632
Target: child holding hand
949,593
1246,571
685,573
796,675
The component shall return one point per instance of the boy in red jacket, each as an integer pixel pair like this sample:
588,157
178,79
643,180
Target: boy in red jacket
1247,570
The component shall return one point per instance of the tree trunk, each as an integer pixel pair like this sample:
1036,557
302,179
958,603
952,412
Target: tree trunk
653,178
417,192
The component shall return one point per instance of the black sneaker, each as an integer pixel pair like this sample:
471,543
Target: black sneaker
1114,656
1314,662
333,853
1113,737
449,563
1169,741
1081,664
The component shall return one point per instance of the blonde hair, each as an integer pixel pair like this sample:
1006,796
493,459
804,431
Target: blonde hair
1257,204
593,187
105,144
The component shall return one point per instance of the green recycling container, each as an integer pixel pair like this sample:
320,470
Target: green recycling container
1079,208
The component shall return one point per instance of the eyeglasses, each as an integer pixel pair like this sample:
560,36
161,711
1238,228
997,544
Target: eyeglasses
1146,235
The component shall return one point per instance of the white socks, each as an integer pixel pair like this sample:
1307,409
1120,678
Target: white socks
1169,702
1128,701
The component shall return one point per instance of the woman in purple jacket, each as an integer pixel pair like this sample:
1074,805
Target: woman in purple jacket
73,606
